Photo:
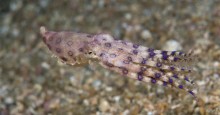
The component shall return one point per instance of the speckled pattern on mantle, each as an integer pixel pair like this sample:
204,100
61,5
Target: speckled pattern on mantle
33,82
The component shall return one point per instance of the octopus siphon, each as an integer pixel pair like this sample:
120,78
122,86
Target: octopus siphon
166,68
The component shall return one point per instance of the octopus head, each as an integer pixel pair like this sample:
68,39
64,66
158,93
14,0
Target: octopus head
70,47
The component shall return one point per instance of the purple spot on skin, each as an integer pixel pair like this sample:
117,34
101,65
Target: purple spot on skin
58,50
129,58
135,52
102,54
135,46
172,68
175,76
186,78
126,62
180,53
144,61
173,53
109,64
153,80
165,57
143,69
81,49
164,83
164,52
152,54
124,71
182,69
108,45
112,55
159,64
157,75
181,86
140,76
175,59
191,92
170,80
150,50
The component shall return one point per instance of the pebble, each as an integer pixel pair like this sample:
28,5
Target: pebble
104,105
45,65
150,113
9,100
128,16
96,84
44,3
145,34
117,98
126,112
108,89
86,102
16,5
172,45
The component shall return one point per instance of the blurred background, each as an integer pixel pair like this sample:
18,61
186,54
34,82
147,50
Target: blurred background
33,82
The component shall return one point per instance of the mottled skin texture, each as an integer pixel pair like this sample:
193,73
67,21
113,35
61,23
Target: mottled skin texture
167,68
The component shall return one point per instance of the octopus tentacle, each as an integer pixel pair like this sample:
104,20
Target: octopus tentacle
148,75
139,59
165,55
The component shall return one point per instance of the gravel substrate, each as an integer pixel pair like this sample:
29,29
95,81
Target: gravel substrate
33,82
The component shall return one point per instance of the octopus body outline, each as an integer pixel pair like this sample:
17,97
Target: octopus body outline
166,68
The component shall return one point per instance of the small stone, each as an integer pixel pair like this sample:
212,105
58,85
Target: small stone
128,16
145,34
96,84
9,100
104,105
38,87
117,98
45,65
86,102
108,89
172,45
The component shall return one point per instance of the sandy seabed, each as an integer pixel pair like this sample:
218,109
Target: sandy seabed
33,82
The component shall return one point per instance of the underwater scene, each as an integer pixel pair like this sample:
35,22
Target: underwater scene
109,57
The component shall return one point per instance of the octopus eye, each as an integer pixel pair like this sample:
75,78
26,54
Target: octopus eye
63,58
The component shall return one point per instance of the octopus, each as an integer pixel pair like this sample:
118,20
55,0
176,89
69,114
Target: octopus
167,68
